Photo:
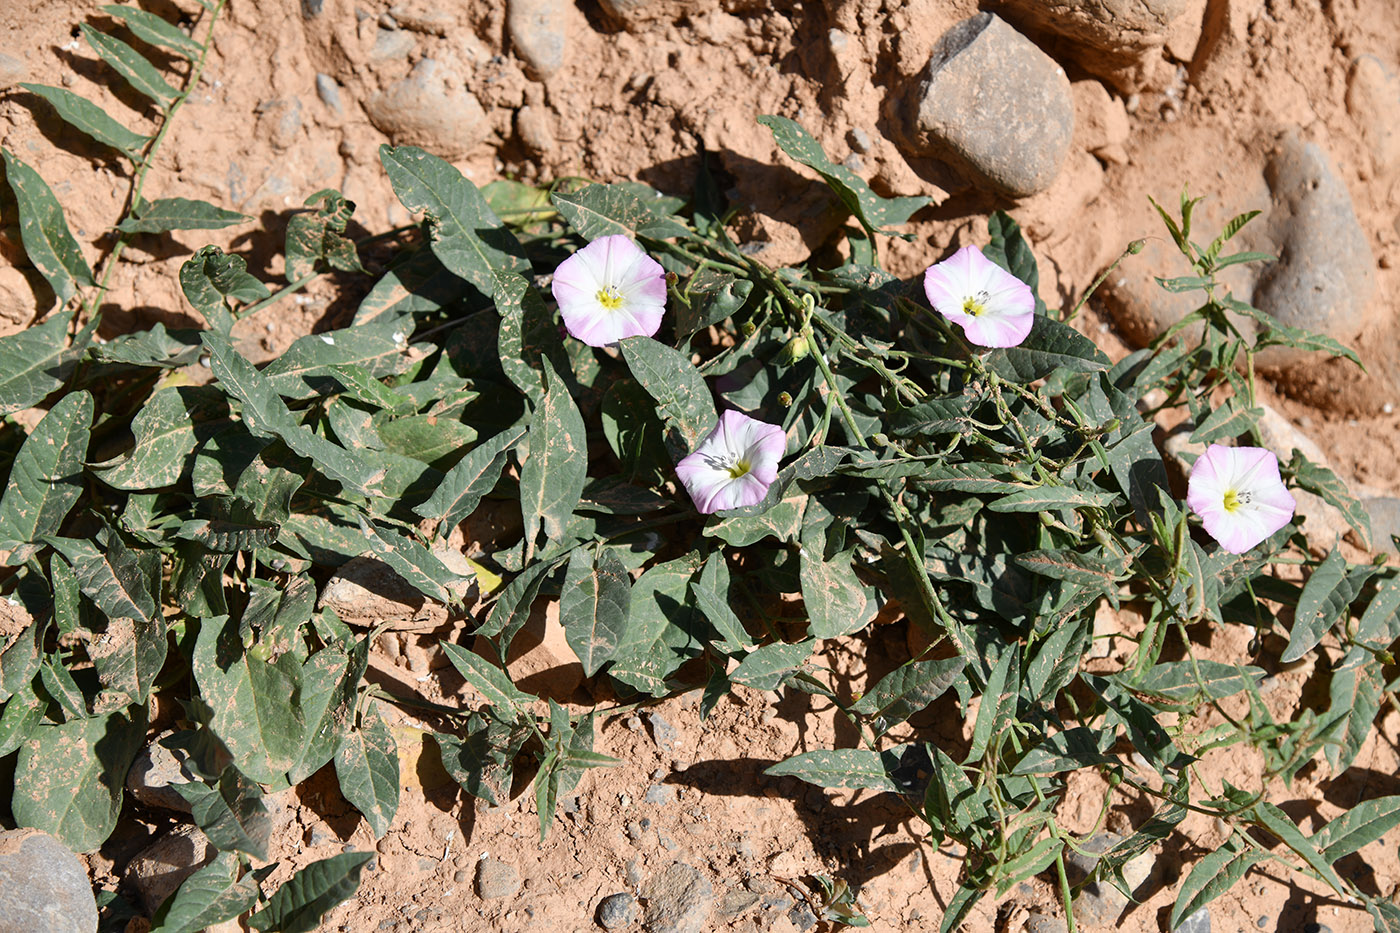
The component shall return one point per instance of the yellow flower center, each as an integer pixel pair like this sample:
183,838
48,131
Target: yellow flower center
739,468
1233,500
974,305
610,297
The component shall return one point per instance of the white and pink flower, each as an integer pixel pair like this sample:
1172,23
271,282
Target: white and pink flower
992,306
1239,495
609,290
735,463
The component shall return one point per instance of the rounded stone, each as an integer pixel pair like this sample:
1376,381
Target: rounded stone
539,35
162,866
617,911
496,879
43,885
430,108
1119,40
994,106
1325,275
679,900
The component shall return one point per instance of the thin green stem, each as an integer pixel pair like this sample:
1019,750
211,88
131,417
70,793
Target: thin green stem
143,168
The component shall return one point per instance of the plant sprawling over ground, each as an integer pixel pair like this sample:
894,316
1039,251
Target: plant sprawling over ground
717,466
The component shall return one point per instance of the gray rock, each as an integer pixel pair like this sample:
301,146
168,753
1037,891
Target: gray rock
617,911
995,107
329,92
662,732
430,108
390,44
802,916
423,18
679,900
43,886
496,879
859,140
1100,904
160,868
310,8
659,794
538,34
1199,922
155,771
1385,522
1325,274
279,121
735,903
1114,39
1045,923
1373,100
12,70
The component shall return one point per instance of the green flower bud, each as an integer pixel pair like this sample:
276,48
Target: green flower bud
672,278
1136,246
748,328
797,348
784,399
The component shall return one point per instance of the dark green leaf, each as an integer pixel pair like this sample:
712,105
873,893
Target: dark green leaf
151,28
480,760
167,430
1323,482
1380,623
1315,613
1229,420
834,597
1098,572
1070,750
609,210
1049,346
69,777
682,397
210,896
166,214
1281,825
460,491
905,690
315,364
765,668
131,65
319,236
1176,680
417,281
299,905
111,580
266,414
232,815
1355,696
463,231
1212,876
129,658
89,118
210,278
932,417
875,213
711,592
512,606
46,477
490,681
998,703
840,767
414,562
709,297
552,478
1050,498
367,767
1357,828
47,241
593,606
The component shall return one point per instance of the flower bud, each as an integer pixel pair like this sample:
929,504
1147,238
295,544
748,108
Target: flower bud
1136,246
784,399
796,349
672,278
749,328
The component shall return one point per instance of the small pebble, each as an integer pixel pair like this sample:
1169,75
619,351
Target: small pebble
616,911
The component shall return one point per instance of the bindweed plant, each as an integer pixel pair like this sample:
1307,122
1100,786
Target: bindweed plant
717,467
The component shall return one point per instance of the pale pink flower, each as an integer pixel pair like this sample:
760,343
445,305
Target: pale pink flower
735,463
609,290
1239,495
992,306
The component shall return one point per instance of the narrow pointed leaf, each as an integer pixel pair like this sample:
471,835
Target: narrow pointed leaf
1211,877
460,491
907,689
46,478
839,767
208,897
766,667
232,815
1358,827
166,214
834,597
1314,614
487,679
367,767
611,210
89,118
299,905
552,478
44,231
593,606
151,28
682,397
415,563
131,65
464,232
